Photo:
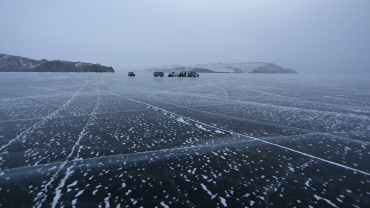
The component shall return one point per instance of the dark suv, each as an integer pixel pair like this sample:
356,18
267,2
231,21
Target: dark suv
156,74
131,74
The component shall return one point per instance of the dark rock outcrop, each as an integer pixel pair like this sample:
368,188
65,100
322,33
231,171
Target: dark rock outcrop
66,66
10,63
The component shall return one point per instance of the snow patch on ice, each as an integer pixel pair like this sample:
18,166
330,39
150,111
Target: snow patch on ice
164,205
201,127
326,200
220,132
58,190
181,120
208,191
223,201
79,193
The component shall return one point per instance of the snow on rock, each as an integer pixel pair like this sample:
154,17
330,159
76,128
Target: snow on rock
253,67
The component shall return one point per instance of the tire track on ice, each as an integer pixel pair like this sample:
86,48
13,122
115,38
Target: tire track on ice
54,114
42,195
226,95
244,135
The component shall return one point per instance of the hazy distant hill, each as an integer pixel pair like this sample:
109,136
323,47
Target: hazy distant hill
255,67
10,63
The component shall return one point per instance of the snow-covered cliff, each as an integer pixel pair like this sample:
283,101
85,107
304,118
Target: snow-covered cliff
254,67
9,63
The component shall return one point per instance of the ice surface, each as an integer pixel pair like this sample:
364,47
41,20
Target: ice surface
236,140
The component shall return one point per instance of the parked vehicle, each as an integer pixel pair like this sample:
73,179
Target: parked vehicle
156,74
193,74
183,74
131,74
174,74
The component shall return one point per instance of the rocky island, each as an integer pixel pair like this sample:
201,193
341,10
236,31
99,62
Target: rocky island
253,67
9,63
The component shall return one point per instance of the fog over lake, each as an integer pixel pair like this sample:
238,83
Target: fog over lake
309,36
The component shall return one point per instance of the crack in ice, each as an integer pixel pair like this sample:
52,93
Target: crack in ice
254,138
83,132
38,124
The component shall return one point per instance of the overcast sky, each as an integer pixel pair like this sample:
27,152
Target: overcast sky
310,36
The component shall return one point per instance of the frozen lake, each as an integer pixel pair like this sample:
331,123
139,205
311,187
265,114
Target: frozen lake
235,140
